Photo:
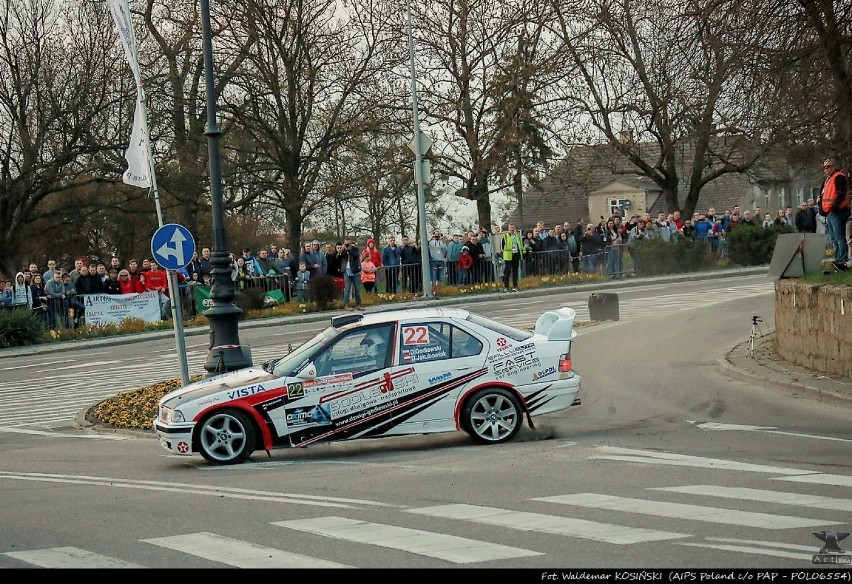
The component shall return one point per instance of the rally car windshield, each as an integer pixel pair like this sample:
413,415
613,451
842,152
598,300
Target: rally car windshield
294,362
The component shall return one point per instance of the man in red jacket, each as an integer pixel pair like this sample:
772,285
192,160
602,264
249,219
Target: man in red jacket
157,279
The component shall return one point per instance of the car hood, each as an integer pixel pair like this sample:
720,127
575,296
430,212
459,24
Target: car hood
212,385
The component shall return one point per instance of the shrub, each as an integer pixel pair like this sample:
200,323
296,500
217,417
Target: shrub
656,256
250,299
21,326
323,290
753,245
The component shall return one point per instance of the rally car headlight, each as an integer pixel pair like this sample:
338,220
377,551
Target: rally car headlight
170,416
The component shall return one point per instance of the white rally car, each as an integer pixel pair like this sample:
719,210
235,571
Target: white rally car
382,374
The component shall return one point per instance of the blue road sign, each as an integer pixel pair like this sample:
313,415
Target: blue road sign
172,246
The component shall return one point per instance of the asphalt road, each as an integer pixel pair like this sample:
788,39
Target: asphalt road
667,464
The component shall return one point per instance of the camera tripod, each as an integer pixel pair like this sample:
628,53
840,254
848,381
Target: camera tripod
755,329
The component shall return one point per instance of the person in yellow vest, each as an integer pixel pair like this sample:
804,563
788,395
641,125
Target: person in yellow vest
513,252
834,205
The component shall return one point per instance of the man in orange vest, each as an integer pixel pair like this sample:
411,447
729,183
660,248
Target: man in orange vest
834,205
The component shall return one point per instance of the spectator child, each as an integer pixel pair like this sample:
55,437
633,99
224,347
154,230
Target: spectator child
8,294
368,272
303,276
465,264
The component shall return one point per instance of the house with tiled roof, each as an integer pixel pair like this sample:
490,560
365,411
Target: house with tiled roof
595,181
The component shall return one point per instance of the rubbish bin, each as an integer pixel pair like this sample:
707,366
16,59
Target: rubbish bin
603,306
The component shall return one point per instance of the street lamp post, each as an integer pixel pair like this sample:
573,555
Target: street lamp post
419,169
225,352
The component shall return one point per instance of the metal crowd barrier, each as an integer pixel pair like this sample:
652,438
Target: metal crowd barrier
64,313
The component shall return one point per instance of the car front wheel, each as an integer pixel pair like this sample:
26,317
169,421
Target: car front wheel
492,416
226,437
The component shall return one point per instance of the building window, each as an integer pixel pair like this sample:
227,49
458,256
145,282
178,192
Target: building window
619,207
782,197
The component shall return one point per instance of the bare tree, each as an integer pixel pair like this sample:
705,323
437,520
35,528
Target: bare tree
54,131
459,47
528,103
172,66
304,93
820,48
682,77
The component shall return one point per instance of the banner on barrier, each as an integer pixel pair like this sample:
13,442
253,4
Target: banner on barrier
104,309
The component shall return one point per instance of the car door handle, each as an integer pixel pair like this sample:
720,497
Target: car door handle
463,367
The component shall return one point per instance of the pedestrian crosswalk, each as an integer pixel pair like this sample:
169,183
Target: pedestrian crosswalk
465,534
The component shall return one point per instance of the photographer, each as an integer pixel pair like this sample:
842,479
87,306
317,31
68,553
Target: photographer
637,233
591,244
437,256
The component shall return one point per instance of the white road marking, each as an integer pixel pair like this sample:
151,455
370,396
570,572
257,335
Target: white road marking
684,511
722,426
667,458
764,496
766,429
458,550
238,553
188,488
69,557
61,435
538,522
820,479
86,364
747,549
41,365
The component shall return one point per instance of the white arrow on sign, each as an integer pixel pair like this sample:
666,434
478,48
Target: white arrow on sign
175,250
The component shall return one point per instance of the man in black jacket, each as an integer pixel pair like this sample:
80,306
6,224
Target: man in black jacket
349,262
806,218
409,257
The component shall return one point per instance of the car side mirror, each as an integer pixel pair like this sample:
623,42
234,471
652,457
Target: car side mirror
309,371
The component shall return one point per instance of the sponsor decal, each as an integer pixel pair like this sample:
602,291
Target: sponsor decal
367,413
511,351
502,344
401,378
415,335
515,365
441,377
246,391
372,392
544,373
328,380
328,384
182,447
318,415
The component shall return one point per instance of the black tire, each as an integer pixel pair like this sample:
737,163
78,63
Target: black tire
226,437
492,416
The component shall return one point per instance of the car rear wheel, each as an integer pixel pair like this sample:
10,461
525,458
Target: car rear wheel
226,437
492,416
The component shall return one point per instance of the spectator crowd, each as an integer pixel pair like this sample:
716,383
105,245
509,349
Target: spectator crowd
466,258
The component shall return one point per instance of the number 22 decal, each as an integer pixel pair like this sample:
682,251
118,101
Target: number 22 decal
415,335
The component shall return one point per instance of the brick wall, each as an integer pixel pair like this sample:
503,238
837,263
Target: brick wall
813,325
